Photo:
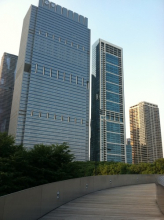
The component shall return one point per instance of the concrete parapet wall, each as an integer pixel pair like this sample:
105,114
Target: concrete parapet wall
160,193
32,203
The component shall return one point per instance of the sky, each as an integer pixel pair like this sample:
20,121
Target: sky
135,25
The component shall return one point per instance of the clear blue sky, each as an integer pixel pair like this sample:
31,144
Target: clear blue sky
135,25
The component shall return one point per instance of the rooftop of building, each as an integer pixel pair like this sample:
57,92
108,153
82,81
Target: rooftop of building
145,103
63,11
106,42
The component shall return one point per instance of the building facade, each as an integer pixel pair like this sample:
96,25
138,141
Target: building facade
107,109
128,151
51,95
145,133
7,78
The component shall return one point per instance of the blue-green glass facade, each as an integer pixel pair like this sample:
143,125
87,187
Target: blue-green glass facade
128,151
107,114
54,100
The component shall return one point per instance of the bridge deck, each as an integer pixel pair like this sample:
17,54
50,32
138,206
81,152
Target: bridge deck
129,202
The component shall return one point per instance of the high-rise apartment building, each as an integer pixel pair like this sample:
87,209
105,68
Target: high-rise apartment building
145,133
7,77
107,111
51,95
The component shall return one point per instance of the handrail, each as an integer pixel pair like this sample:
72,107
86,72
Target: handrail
160,180
33,203
160,193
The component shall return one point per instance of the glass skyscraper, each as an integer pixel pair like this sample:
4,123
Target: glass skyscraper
107,111
51,95
7,78
145,133
128,151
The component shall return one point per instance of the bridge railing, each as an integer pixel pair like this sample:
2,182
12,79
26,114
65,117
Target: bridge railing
160,193
33,203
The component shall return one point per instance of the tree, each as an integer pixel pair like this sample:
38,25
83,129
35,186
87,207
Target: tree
6,144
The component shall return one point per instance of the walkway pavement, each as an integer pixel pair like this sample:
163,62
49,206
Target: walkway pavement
137,202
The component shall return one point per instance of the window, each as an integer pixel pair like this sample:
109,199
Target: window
113,127
81,121
82,81
112,78
70,78
112,106
59,39
112,87
113,97
87,84
111,59
46,34
43,70
112,69
76,79
36,68
27,67
47,115
50,72
31,113
63,76
121,119
71,44
83,48
115,138
39,32
61,118
53,36
68,119
77,46
54,117
57,74
75,120
39,114
112,116
65,41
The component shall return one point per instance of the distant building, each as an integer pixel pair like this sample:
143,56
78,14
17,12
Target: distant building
7,78
107,111
145,133
128,151
51,95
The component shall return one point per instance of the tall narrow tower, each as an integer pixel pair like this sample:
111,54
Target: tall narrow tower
145,133
107,112
7,78
51,95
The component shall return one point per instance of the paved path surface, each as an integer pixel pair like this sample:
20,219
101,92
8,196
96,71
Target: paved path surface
123,203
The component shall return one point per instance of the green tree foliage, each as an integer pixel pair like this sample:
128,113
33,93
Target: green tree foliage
7,145
21,168
159,166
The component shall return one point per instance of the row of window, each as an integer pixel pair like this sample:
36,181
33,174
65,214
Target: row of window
114,107
113,97
114,118
113,69
65,41
55,117
111,59
115,127
64,76
112,78
115,138
113,88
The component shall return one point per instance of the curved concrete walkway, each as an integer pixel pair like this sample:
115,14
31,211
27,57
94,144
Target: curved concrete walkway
136,202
